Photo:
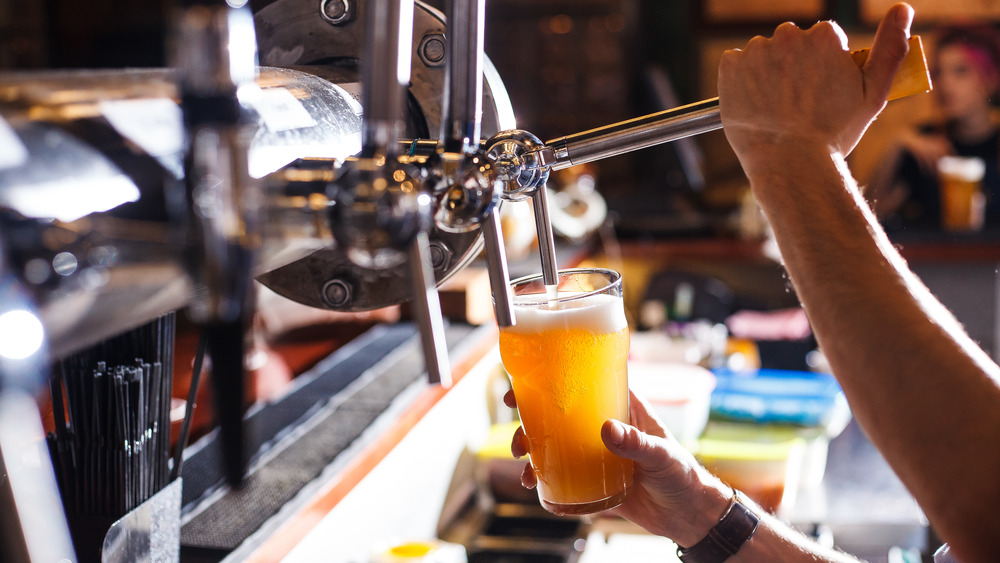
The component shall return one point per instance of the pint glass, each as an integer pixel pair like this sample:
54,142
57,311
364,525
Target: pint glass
566,358
962,200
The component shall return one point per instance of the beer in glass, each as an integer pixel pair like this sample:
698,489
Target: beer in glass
962,200
566,357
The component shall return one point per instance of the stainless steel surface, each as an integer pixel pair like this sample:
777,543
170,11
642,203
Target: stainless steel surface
221,211
151,532
503,301
283,28
546,242
510,151
84,195
427,310
291,33
467,194
460,128
385,73
216,49
635,134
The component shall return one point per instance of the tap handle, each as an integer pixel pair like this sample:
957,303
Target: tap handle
546,242
520,161
701,117
226,349
215,59
496,263
427,310
468,192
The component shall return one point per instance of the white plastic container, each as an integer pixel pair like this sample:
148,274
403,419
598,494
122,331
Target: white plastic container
765,462
679,393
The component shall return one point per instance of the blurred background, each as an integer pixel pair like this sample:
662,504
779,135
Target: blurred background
597,61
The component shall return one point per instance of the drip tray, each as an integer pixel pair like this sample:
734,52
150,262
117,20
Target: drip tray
518,533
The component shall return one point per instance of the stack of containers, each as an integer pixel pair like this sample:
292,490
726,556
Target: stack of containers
769,431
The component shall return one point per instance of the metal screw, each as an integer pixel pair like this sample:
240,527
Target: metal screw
336,12
432,49
440,255
336,293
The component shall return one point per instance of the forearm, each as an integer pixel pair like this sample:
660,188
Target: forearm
776,541
708,499
924,392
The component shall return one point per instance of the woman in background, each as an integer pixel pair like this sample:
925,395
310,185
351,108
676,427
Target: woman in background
965,69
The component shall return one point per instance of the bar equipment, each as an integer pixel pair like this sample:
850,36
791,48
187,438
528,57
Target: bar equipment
125,195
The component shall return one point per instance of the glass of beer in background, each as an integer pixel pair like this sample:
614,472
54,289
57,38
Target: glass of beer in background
566,358
963,202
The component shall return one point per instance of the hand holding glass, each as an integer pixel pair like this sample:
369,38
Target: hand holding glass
567,362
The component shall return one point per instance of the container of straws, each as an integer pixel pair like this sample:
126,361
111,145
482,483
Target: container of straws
111,444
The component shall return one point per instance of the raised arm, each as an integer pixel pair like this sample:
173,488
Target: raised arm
793,107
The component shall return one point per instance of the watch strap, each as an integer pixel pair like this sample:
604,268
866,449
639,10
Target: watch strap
735,528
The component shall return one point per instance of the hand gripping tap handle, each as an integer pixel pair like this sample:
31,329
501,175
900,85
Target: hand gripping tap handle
701,117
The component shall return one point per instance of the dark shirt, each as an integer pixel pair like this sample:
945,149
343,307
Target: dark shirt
922,209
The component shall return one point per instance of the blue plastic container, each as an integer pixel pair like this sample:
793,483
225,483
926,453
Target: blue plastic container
770,396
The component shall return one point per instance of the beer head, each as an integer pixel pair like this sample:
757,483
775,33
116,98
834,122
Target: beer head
598,313
963,169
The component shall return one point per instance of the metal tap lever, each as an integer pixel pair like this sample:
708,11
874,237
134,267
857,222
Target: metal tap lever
427,310
700,117
503,299
382,209
216,57
471,193
634,134
521,162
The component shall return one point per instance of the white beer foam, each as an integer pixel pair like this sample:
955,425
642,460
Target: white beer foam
970,169
598,314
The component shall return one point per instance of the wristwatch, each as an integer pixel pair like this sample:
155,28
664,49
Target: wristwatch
734,529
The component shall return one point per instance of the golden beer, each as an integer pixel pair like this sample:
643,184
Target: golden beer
567,363
962,200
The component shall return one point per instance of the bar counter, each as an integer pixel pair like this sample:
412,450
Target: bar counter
363,452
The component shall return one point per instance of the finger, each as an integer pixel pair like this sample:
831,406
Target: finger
887,53
785,29
509,400
528,480
519,443
628,442
641,416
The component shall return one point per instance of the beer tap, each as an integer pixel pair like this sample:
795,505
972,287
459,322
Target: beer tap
470,190
381,212
216,62
515,155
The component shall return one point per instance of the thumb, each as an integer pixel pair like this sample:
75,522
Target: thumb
888,51
627,441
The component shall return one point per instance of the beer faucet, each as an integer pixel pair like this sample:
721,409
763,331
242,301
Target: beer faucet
219,222
470,189
381,208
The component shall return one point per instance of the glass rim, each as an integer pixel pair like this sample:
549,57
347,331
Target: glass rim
614,279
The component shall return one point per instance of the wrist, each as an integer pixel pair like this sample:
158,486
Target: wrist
707,503
777,158
735,528
791,171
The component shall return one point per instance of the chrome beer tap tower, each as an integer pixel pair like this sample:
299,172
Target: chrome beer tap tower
129,194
